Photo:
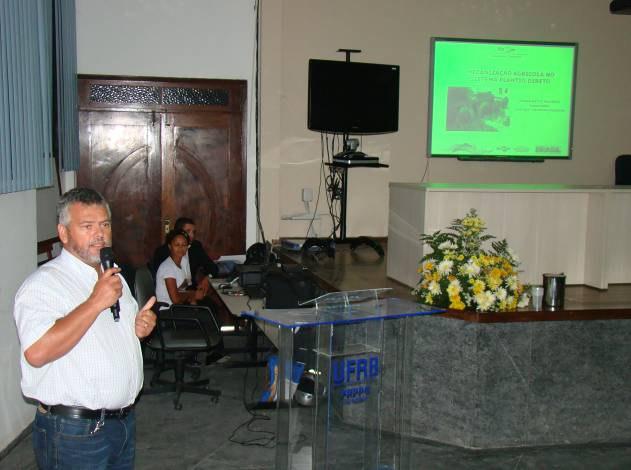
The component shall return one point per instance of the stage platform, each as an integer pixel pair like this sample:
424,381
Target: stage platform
515,379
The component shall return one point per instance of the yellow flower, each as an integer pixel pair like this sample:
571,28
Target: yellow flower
454,288
478,286
474,222
472,278
494,279
493,283
457,304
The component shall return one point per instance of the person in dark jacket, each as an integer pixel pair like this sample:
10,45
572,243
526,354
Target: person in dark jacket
201,264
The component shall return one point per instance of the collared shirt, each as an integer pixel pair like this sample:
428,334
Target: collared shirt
104,369
169,270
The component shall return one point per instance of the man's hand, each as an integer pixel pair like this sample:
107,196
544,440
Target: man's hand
107,290
68,331
146,319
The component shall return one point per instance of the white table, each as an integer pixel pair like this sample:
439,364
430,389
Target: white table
582,231
238,305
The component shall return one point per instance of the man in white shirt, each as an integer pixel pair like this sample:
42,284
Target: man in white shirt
83,368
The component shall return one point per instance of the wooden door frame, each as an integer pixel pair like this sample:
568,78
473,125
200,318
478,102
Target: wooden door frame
173,95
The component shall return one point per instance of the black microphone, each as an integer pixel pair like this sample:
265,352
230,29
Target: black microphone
107,261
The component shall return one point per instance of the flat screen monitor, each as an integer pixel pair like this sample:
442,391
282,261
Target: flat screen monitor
353,97
501,100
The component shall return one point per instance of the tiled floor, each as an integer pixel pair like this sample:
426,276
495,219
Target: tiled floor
204,436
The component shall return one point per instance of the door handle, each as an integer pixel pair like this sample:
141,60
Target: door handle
167,226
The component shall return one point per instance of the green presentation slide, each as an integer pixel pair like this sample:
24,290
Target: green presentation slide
501,99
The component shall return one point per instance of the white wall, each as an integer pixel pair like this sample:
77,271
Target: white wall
399,32
17,260
173,38
46,202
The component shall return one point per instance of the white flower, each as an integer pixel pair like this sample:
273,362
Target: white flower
485,300
445,266
511,282
471,268
434,288
501,294
523,300
429,262
513,256
446,246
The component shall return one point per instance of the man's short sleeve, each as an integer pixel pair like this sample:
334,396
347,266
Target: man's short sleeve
38,305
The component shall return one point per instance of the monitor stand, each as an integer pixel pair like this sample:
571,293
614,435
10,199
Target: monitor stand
328,244
354,242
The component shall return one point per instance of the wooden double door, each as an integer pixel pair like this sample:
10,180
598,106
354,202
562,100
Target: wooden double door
160,149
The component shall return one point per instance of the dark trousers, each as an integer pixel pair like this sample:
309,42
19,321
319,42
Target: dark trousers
69,443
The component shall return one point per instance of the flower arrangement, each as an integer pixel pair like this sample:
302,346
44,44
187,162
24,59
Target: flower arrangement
460,274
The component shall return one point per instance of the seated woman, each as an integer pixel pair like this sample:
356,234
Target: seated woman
174,274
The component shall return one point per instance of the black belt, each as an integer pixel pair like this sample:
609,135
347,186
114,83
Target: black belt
78,412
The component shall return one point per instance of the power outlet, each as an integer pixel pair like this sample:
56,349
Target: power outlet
307,194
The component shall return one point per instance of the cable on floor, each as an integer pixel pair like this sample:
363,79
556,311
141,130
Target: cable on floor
266,439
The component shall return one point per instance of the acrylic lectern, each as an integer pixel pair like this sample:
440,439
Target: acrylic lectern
348,410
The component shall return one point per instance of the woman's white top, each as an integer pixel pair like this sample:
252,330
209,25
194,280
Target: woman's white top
169,270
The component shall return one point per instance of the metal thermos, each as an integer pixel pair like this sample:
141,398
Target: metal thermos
553,290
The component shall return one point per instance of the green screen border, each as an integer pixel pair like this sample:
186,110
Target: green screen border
490,156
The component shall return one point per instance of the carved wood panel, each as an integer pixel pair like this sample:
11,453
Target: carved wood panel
120,158
200,179
159,149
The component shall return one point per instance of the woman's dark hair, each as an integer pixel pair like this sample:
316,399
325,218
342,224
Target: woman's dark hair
181,222
174,233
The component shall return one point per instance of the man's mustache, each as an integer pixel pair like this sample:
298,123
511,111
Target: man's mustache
100,241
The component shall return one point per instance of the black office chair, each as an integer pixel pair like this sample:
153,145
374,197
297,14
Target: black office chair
144,286
623,170
144,289
182,331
